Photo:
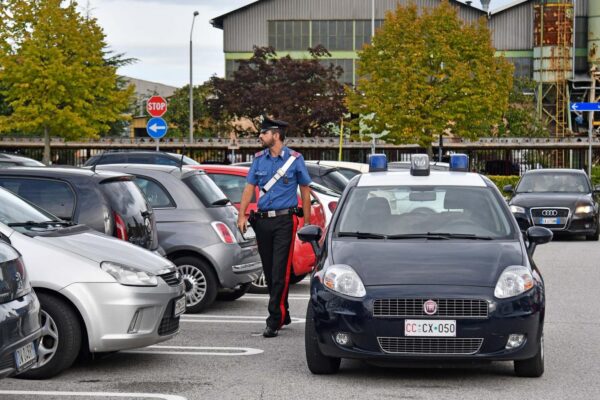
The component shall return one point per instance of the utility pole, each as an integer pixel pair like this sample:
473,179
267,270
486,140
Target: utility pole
192,83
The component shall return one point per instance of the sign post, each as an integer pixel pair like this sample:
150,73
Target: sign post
591,107
156,127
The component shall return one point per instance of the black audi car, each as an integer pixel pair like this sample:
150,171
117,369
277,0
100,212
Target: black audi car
425,267
562,200
20,327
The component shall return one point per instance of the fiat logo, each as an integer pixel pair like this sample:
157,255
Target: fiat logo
430,307
549,213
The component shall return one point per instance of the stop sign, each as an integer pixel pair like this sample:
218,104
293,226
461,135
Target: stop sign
156,106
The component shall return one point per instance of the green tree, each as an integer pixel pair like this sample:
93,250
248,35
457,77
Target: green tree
56,78
520,119
427,73
178,116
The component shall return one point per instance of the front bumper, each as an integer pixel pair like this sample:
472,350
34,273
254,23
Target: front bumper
19,326
119,317
577,224
235,264
335,313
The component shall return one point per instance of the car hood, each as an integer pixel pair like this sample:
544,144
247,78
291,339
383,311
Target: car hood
428,262
99,247
550,199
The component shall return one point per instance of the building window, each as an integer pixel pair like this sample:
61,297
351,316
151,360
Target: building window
362,32
347,65
523,66
333,35
289,35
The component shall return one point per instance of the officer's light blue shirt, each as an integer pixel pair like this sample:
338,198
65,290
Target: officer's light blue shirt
284,194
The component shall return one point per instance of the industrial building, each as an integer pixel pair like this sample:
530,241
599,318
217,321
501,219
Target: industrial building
546,40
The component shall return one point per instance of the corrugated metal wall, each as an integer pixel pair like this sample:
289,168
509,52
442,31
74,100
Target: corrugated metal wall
248,27
513,28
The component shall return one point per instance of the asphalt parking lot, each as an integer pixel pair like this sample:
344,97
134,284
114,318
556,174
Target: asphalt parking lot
221,354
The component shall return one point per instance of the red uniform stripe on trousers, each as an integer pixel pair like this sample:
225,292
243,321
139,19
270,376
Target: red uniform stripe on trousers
288,269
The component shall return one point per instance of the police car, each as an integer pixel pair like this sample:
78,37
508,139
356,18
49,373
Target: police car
425,265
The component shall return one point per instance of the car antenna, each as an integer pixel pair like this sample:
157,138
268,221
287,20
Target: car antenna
97,162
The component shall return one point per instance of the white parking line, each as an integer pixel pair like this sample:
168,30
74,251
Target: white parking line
231,319
197,351
94,394
265,297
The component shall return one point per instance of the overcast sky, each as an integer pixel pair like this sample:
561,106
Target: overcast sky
157,33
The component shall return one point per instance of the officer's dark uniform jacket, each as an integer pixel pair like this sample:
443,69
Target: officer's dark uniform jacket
275,234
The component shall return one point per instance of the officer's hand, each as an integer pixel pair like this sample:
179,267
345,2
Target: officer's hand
242,223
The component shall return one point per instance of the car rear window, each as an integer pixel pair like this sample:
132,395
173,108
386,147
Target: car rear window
54,196
206,190
232,185
125,198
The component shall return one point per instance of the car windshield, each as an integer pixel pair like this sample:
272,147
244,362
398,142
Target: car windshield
432,211
553,183
22,215
206,190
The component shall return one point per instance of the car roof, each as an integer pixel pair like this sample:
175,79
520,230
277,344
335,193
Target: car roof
435,178
222,168
361,167
169,169
554,171
16,157
62,172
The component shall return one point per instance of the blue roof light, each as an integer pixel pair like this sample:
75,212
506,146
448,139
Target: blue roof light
459,162
378,163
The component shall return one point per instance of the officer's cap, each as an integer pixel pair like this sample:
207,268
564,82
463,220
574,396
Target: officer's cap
268,123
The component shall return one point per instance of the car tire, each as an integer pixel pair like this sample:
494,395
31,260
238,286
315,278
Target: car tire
594,236
200,283
231,295
61,338
532,367
295,278
318,363
259,286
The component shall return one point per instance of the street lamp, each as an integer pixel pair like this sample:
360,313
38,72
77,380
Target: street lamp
191,83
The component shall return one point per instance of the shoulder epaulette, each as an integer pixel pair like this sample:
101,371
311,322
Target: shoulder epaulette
295,154
260,153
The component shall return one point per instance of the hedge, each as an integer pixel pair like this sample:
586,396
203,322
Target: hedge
502,181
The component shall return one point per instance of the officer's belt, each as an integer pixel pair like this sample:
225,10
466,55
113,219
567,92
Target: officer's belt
280,173
274,213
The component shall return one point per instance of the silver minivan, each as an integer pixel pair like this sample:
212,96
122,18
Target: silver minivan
97,293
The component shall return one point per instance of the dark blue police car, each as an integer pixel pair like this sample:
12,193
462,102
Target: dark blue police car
425,265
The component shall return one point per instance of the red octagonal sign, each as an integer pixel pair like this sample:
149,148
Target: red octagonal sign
156,106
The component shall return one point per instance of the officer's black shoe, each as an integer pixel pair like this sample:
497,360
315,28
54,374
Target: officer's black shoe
287,320
270,332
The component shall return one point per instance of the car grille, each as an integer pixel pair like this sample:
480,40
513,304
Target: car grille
450,346
172,278
551,212
451,308
168,324
7,362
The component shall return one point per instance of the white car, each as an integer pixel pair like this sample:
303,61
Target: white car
97,293
346,168
328,199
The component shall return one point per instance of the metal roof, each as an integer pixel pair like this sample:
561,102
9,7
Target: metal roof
436,178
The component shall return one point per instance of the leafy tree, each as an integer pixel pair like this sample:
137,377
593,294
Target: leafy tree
521,119
55,77
428,72
303,92
178,116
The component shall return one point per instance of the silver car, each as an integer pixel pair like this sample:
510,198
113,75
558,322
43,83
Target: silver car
197,229
97,293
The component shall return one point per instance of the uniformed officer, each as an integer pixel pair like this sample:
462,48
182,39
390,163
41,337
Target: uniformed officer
277,170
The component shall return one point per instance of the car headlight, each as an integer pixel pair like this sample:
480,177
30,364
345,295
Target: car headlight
514,280
129,276
343,279
584,209
517,209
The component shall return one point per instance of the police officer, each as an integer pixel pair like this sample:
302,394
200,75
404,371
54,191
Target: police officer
277,171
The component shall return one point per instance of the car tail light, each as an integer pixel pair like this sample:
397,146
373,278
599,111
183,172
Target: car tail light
332,206
120,227
224,232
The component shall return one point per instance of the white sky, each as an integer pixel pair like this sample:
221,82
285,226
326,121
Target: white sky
157,33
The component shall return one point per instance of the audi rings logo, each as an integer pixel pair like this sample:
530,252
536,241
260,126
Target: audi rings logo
430,307
549,213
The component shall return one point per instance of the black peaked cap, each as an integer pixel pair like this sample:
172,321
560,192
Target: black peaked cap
268,123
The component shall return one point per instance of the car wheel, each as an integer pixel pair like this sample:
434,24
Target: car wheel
259,285
61,338
295,278
200,283
532,367
594,236
231,295
318,363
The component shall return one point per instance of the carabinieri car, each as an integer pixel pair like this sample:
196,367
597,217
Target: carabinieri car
425,265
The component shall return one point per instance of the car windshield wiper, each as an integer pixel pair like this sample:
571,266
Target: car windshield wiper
362,235
428,235
220,202
40,224
460,236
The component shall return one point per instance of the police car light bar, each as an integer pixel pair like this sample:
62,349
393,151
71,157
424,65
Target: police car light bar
378,163
419,165
459,163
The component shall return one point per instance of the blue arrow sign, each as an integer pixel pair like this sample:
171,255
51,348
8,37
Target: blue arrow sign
585,106
156,128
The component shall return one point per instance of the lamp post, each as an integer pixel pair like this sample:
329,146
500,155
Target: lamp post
191,83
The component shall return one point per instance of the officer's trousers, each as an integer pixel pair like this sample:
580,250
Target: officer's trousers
275,239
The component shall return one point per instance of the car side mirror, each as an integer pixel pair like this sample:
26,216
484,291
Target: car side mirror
508,189
311,234
538,235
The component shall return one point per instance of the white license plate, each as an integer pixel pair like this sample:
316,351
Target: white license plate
550,221
422,327
25,355
179,306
